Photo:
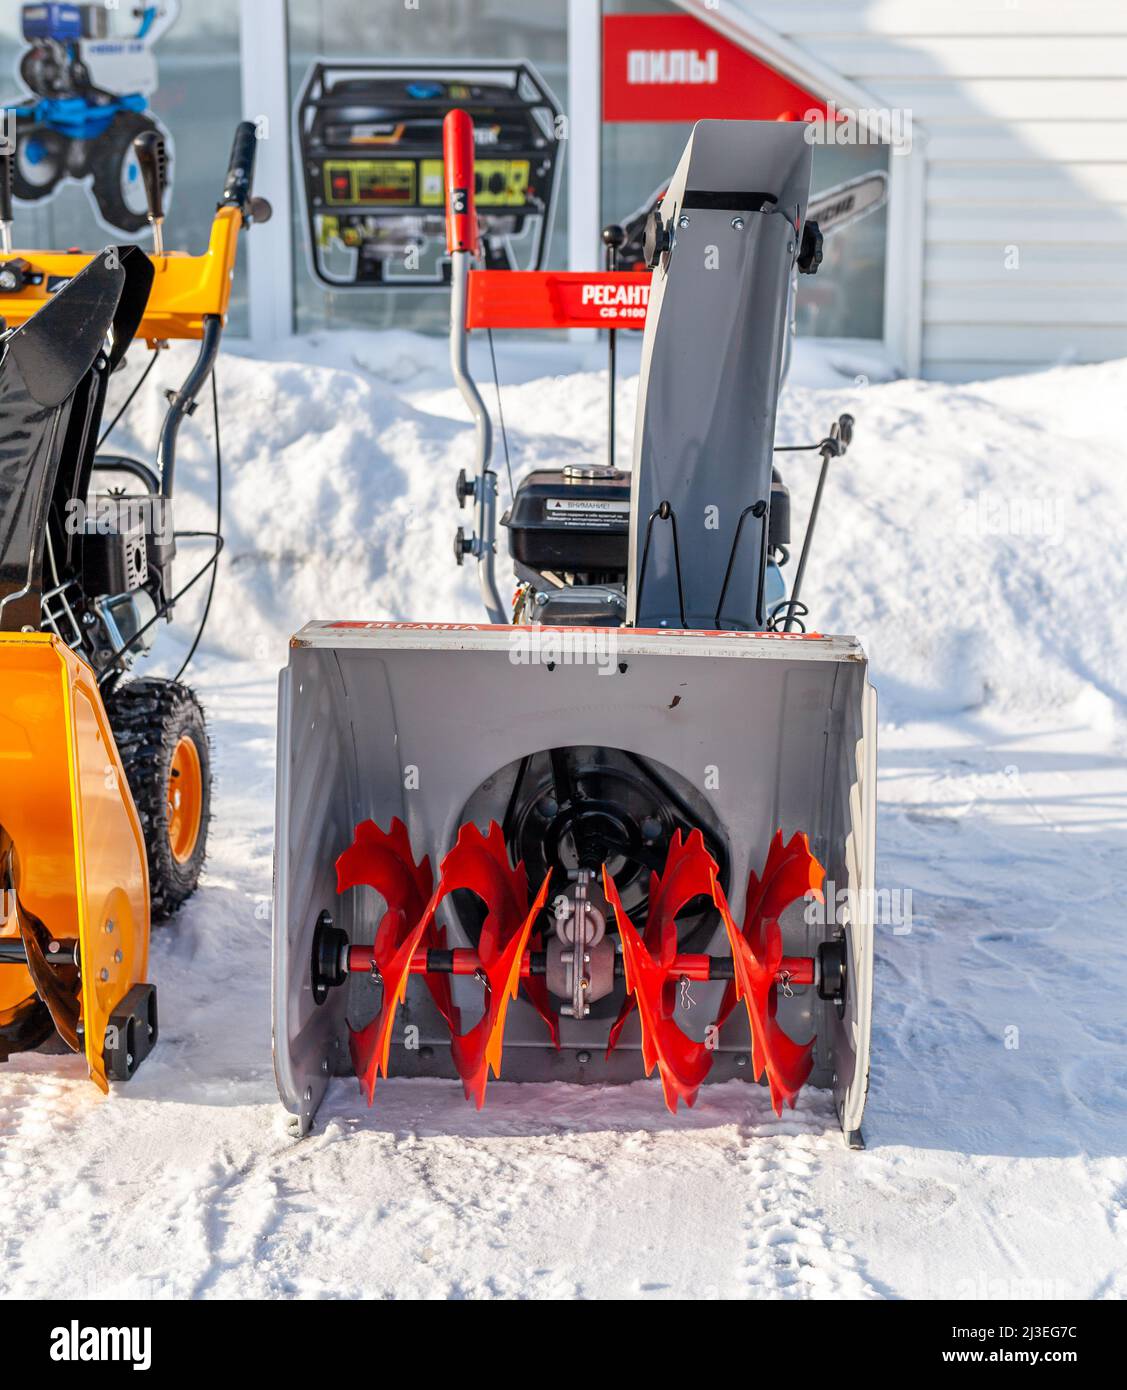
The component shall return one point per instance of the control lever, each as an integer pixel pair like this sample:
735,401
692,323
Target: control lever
7,168
614,237
152,159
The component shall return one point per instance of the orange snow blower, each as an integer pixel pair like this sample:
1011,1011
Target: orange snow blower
527,835
104,782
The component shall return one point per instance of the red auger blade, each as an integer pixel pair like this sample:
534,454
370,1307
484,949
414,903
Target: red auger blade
790,873
481,864
385,862
651,981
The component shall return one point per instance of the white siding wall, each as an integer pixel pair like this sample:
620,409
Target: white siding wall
1024,103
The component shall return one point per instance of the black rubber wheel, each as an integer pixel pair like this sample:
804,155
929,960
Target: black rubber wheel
118,188
162,738
28,1026
40,162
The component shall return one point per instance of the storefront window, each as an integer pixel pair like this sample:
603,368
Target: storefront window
197,100
846,298
447,31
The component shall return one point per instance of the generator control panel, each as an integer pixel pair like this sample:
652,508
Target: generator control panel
370,143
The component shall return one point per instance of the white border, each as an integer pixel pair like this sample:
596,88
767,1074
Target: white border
264,58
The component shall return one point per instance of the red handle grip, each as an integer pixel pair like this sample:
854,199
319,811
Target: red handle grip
457,155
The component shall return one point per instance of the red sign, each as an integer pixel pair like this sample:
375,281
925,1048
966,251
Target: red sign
675,68
557,299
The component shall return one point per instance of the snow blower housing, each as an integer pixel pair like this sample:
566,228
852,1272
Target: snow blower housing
596,835
104,781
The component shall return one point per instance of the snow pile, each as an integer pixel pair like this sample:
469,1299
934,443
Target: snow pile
967,537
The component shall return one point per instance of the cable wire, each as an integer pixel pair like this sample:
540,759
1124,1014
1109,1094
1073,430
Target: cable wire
218,529
501,414
128,400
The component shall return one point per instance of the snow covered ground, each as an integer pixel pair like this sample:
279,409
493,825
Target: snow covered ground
973,538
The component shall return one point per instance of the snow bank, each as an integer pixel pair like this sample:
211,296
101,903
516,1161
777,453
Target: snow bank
967,537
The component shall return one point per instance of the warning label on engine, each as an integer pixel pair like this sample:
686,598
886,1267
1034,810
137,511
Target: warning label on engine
591,511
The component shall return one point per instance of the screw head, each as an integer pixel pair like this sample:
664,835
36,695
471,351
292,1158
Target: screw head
583,1057
738,223
683,221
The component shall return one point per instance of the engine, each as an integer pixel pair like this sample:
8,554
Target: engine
569,537
569,533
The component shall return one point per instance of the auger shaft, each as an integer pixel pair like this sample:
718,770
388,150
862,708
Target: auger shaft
794,970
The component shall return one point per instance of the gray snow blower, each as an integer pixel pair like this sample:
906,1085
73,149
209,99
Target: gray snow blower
536,831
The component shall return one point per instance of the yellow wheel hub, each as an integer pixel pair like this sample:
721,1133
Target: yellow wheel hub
185,800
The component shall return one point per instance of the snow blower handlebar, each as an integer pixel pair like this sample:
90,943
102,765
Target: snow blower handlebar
152,160
462,244
187,290
7,170
458,161
508,299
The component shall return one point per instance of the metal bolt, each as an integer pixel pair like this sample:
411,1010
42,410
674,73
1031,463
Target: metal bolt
738,223
325,1065
118,957
682,221
103,974
741,1060
583,1057
109,925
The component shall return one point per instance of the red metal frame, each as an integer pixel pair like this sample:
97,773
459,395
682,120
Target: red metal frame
557,299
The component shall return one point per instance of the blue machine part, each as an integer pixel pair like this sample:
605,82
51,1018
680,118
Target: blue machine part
774,588
76,119
424,91
63,23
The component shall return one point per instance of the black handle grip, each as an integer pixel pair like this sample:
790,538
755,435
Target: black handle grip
7,169
240,170
152,160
